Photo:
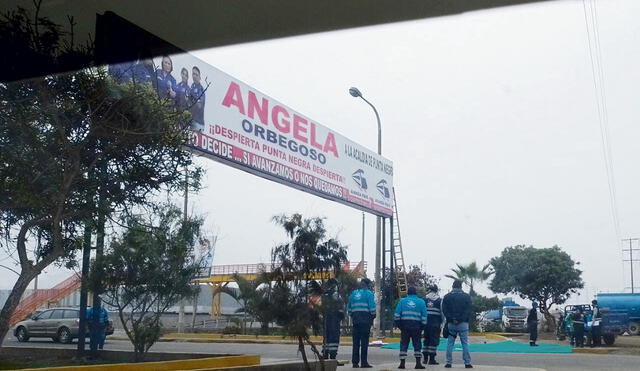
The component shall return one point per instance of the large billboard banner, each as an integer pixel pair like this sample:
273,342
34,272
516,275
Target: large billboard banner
235,124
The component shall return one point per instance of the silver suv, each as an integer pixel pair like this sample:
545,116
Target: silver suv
59,324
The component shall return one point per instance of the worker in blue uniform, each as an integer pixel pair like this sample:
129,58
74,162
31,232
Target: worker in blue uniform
97,319
362,309
332,315
434,323
410,317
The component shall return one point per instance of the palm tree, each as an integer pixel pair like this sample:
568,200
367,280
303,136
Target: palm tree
469,274
254,296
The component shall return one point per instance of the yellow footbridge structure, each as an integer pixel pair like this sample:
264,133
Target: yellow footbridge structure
222,275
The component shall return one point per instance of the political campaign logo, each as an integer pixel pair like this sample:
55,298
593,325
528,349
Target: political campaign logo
358,177
383,188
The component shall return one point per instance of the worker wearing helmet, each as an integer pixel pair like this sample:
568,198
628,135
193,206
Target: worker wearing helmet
333,314
532,324
434,322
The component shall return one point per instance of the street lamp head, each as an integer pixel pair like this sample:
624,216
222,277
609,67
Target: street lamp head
355,92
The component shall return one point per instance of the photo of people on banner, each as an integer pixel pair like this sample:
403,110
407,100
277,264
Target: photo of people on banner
185,95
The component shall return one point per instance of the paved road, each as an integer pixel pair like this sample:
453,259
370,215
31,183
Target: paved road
272,352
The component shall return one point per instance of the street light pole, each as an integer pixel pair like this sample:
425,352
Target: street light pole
377,277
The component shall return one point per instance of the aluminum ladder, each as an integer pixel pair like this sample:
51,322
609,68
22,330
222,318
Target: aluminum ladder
396,251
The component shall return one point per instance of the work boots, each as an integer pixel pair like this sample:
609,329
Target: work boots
419,364
401,364
432,360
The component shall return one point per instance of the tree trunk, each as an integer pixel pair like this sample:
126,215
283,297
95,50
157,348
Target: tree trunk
550,321
264,328
304,354
13,300
316,352
138,350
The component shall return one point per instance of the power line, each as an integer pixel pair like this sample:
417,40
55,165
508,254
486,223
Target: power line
631,260
601,105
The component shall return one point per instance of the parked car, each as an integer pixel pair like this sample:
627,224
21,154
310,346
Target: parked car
59,324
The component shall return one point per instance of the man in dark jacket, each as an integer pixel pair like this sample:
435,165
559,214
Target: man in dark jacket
333,314
434,322
578,327
456,307
362,309
532,324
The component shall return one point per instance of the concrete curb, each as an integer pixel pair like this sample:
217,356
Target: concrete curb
491,336
394,366
187,364
594,350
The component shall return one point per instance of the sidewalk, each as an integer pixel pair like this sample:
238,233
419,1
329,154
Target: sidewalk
394,367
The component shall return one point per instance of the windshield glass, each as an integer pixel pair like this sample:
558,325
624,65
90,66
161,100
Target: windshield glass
493,314
520,312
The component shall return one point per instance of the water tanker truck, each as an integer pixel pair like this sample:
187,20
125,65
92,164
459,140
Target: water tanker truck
623,302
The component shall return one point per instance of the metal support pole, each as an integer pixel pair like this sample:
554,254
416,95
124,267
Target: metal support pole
383,290
376,323
186,205
99,253
631,261
362,254
82,321
378,297
392,270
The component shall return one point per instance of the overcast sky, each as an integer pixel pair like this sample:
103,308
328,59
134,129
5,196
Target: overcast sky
490,119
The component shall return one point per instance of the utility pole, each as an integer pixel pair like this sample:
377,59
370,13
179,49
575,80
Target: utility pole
631,260
378,277
186,206
362,253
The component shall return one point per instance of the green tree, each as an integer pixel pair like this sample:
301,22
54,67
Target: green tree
418,277
470,274
308,253
74,146
255,297
147,270
548,276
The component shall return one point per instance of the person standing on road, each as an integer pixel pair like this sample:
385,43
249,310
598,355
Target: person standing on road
568,320
456,307
98,319
532,324
333,314
578,327
596,337
434,322
410,316
362,309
